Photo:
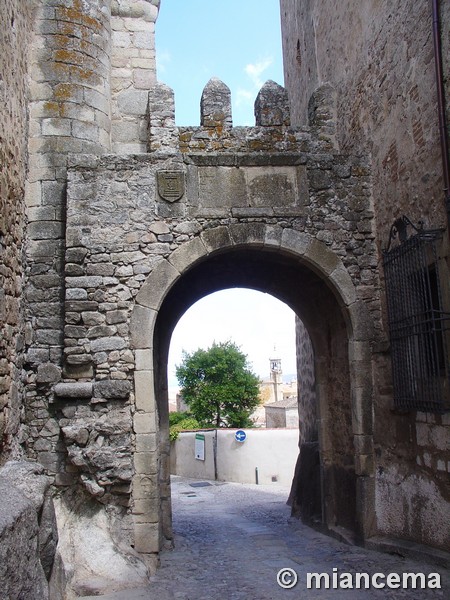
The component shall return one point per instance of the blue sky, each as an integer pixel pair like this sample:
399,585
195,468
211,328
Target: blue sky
238,41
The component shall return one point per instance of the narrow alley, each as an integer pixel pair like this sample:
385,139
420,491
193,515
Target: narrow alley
232,540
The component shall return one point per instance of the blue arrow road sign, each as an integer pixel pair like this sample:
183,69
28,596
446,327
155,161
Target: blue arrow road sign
240,435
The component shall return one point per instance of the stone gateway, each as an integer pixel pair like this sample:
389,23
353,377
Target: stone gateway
115,221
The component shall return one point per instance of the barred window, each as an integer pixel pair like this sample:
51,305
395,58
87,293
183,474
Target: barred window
419,327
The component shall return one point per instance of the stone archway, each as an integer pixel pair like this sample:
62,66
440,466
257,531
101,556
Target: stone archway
303,272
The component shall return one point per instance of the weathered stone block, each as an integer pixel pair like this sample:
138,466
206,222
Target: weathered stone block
53,192
296,241
21,573
215,105
86,131
77,434
50,337
141,326
76,255
220,187
81,306
145,485
74,390
146,442
144,422
363,444
79,359
114,317
107,343
76,294
144,391
133,102
92,318
362,322
146,537
78,371
272,106
101,331
144,360
48,373
364,464
146,510
75,331
145,462
86,282
362,412
248,233
50,460
112,389
187,254
45,230
163,275
35,356
217,238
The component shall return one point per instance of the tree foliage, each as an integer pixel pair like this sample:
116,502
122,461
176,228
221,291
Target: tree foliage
218,385
181,421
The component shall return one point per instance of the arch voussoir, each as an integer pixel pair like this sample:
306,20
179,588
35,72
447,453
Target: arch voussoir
185,256
157,284
216,238
248,233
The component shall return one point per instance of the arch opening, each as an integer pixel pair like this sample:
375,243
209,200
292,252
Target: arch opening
292,281
263,329
261,326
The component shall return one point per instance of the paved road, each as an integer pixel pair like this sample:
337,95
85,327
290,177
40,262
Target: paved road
231,540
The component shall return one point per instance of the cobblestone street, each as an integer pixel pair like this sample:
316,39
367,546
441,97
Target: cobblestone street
231,540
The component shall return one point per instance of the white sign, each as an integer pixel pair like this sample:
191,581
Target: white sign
199,446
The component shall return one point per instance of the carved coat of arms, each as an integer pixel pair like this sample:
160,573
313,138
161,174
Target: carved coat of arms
170,185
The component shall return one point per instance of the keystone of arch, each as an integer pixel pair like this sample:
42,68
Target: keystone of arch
216,238
248,233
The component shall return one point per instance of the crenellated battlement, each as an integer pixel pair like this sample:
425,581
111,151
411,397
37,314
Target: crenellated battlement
272,131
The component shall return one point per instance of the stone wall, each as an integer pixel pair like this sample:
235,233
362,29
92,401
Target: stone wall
16,20
69,112
133,72
28,532
128,216
380,60
306,394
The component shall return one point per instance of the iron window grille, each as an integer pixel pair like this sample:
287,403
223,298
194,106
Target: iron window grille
419,328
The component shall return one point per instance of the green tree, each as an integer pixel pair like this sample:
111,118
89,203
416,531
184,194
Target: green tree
218,386
180,421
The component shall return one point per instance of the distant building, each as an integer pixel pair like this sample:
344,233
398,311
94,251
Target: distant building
283,413
274,392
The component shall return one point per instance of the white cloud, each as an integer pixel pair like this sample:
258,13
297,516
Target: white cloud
254,71
244,97
163,58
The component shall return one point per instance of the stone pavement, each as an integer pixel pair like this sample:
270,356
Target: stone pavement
231,540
